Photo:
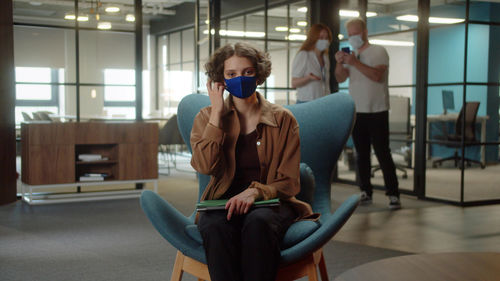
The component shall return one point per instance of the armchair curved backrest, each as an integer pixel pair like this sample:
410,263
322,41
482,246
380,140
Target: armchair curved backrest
325,125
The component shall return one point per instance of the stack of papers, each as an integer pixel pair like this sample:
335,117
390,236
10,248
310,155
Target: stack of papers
91,157
93,177
210,205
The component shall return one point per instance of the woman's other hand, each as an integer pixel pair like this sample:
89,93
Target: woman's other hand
241,203
313,77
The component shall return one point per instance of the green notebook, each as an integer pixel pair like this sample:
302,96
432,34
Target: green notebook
220,204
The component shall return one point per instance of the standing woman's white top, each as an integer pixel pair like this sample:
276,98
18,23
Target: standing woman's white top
306,62
311,65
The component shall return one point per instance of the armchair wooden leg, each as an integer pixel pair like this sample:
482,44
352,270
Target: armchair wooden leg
322,268
312,273
177,271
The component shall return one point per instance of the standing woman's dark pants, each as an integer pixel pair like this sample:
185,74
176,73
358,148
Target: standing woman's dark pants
248,246
373,129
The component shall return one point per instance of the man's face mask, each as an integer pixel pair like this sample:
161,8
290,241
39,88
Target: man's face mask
356,41
242,86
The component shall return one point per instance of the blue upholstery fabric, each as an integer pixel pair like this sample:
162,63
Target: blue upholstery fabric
325,125
307,184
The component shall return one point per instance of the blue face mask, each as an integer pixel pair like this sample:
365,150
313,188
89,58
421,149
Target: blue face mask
242,86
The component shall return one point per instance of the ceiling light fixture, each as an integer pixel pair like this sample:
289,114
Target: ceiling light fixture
414,18
294,30
237,33
355,14
340,36
72,17
83,18
391,43
300,37
130,18
112,9
302,9
104,25
302,23
281,28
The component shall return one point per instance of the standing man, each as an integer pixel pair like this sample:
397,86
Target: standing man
368,70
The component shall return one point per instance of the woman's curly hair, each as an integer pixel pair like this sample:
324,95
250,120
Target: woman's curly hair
261,61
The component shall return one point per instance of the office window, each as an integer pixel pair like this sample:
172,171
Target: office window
115,77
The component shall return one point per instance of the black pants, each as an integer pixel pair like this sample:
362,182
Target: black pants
248,246
373,129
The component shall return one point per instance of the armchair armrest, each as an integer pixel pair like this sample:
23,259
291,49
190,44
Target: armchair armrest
171,224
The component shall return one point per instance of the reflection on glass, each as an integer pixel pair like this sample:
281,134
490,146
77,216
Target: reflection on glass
484,10
281,97
446,54
175,47
37,47
104,50
278,53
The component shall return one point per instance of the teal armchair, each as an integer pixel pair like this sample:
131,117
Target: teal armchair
325,125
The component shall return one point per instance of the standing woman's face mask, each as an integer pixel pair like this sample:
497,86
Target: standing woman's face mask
323,41
322,44
240,77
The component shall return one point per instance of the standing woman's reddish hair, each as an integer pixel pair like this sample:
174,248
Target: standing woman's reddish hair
313,35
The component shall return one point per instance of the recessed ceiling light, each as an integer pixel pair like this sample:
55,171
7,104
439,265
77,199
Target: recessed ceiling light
130,17
302,23
302,9
281,28
69,17
391,43
34,3
297,37
354,14
83,18
112,9
294,30
414,18
104,25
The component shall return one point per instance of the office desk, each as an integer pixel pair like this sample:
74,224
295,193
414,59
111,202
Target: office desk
453,118
429,267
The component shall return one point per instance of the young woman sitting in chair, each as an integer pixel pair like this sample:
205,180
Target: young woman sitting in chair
251,149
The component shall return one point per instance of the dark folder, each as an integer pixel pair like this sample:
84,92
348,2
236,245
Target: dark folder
220,204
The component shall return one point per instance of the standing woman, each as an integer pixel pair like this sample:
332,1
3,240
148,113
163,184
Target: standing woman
251,149
311,65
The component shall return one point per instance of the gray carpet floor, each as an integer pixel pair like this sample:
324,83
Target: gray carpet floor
110,240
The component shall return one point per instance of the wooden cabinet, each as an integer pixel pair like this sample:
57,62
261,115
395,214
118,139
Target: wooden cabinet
50,151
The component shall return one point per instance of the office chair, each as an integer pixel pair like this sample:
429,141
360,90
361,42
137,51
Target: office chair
454,140
325,125
26,116
170,137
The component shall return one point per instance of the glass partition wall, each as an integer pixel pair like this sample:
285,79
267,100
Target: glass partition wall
71,68
463,102
399,38
462,69
75,60
286,29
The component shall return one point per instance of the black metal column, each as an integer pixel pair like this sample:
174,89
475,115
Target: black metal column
197,45
363,7
8,187
327,12
77,62
421,97
138,59
214,24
